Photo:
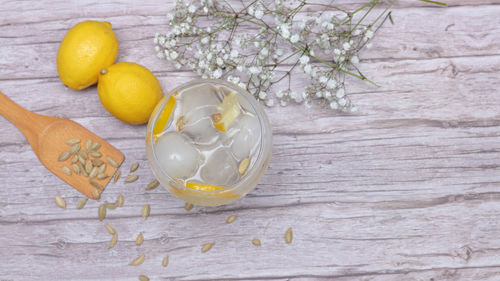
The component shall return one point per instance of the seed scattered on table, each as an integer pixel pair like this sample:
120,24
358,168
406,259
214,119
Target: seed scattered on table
111,206
131,178
139,239
146,209
101,212
120,200
188,206
143,278
60,202
231,219
206,247
66,170
164,262
72,141
81,203
256,242
110,229
138,261
117,176
152,185
74,159
134,167
288,235
64,156
113,241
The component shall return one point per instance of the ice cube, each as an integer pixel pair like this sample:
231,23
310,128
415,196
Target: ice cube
198,105
201,132
178,157
199,102
244,136
220,169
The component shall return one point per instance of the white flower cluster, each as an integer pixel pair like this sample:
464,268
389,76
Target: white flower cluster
262,45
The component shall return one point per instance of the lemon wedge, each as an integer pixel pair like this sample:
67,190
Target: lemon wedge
162,121
229,109
203,187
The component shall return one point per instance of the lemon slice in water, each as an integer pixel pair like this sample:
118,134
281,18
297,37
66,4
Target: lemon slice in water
162,121
229,110
203,187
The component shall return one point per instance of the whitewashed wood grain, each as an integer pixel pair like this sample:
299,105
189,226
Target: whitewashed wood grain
406,189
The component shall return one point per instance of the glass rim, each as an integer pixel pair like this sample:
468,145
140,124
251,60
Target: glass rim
257,108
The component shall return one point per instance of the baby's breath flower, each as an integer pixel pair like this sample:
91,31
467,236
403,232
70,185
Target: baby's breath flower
212,39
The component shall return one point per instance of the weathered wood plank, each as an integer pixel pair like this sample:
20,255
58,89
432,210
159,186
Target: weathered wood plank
406,189
444,33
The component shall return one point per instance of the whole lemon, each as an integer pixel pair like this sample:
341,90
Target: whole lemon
87,47
129,92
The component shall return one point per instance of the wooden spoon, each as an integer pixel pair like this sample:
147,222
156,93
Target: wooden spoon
47,136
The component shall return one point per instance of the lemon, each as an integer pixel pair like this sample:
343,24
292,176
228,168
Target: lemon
87,47
229,109
203,187
129,92
164,116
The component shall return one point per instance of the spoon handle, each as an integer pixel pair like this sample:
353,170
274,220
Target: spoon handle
29,123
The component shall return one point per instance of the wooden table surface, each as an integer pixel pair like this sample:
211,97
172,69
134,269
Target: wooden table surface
408,188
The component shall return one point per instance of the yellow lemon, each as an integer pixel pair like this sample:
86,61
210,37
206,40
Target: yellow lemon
129,92
88,47
229,109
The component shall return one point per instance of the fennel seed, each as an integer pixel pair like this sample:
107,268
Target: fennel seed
113,241
231,219
111,230
75,148
256,242
60,202
120,200
81,203
134,167
138,261
139,239
101,212
117,176
188,206
206,247
152,185
88,144
131,178
112,161
64,156
164,262
95,154
66,170
288,235
244,165
146,209
72,141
